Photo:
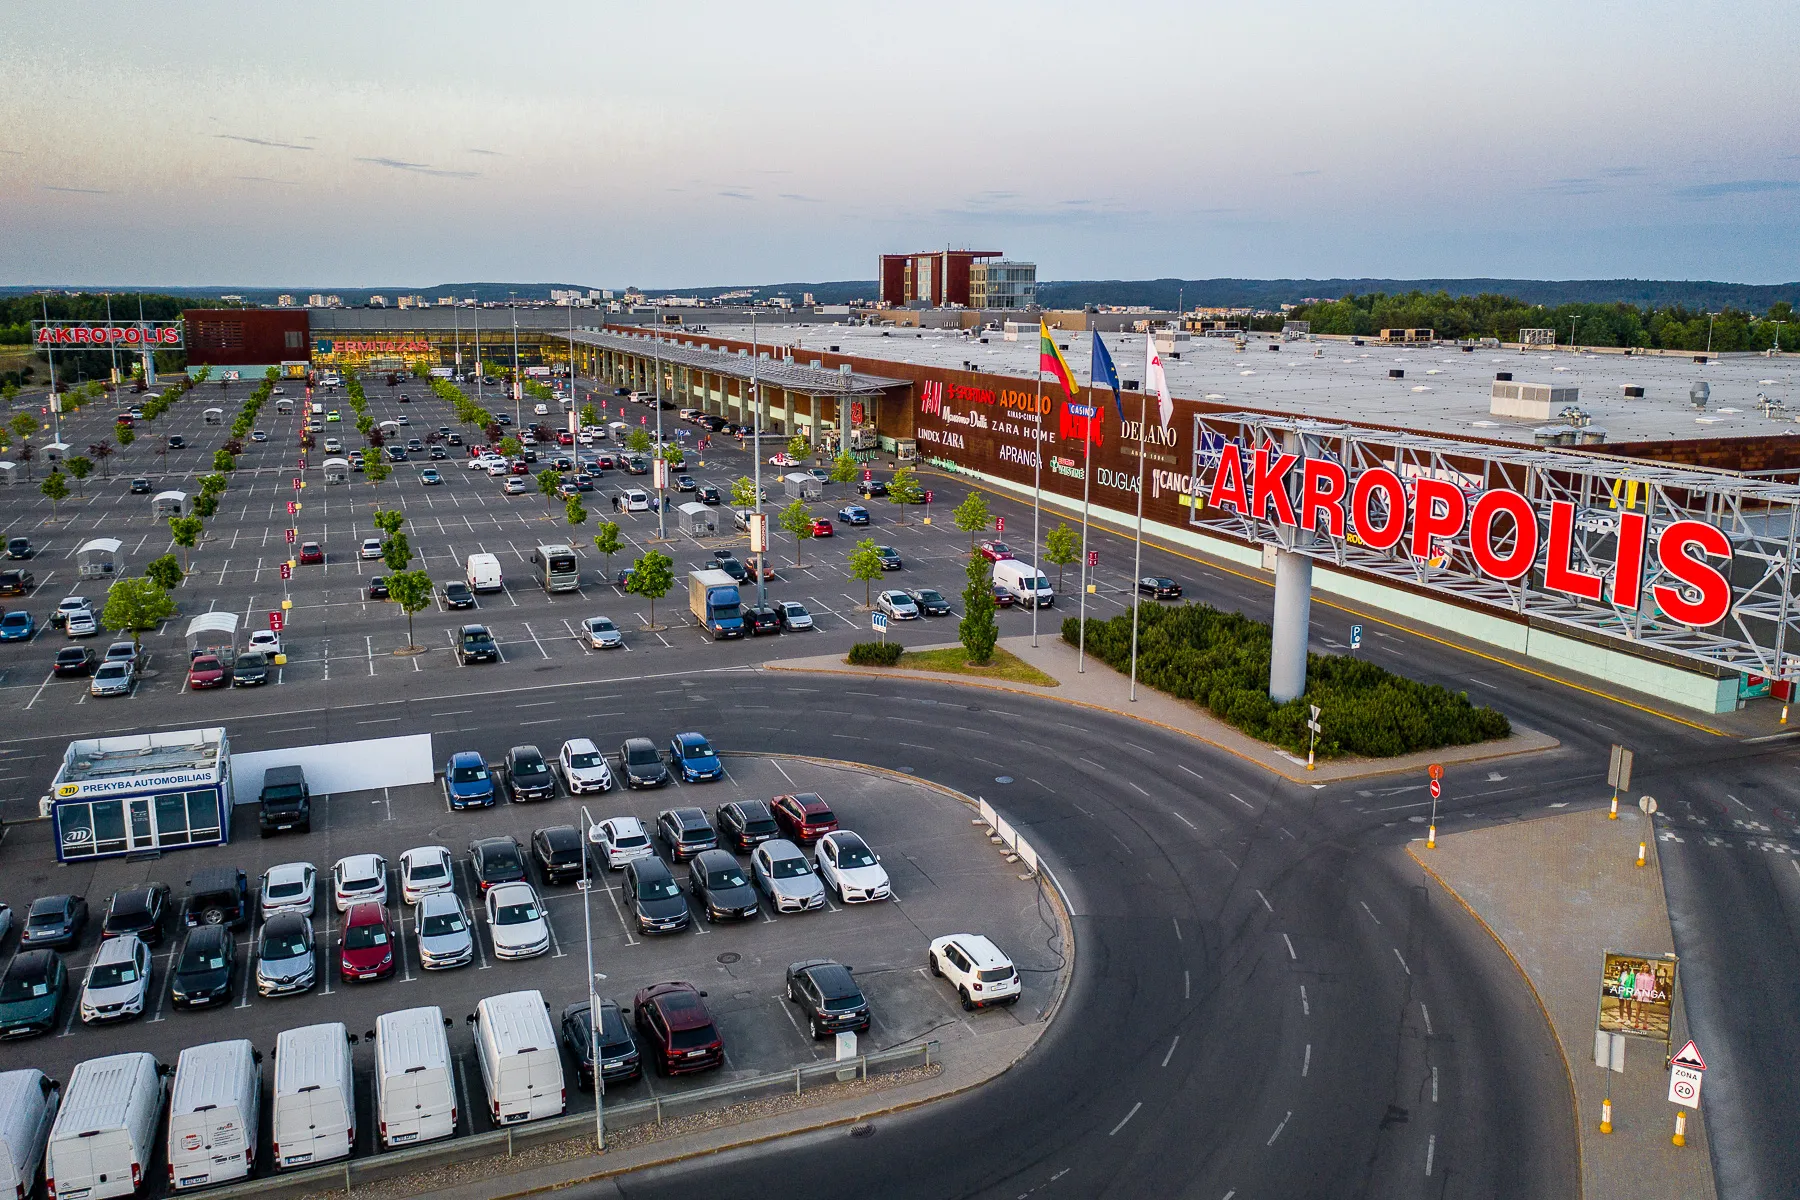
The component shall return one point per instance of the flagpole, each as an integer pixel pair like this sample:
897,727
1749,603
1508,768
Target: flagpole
1037,486
1137,561
1087,470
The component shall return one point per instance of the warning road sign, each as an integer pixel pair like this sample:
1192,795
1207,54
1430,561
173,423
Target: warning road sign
1684,1086
1689,1056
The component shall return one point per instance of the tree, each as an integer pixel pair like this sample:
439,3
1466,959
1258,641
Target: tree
588,415
186,533
509,446
972,516
797,446
23,425
652,575
376,469
125,433
865,564
576,512
608,542
1062,546
101,451
165,570
797,519
904,489
205,505
743,492
978,630
844,467
222,460
79,469
638,440
55,486
396,551
9,391
548,480
411,590
388,520
674,455
136,605
213,484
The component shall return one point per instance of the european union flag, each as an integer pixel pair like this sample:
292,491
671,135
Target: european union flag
1101,372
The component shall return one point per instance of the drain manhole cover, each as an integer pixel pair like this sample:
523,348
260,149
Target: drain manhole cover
1003,779
729,957
906,770
862,1130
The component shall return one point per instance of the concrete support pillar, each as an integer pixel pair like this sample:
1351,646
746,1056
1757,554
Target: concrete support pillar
1293,617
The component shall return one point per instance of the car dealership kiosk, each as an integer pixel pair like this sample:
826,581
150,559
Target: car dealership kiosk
141,792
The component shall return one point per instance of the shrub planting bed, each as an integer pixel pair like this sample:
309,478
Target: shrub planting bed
1220,661
875,654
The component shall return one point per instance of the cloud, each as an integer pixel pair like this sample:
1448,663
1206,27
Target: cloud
266,179
489,153
737,195
1571,187
801,199
1624,172
1312,171
50,187
256,141
419,168
1737,187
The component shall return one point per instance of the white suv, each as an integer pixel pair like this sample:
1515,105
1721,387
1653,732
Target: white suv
619,840
358,877
976,968
424,870
118,981
584,768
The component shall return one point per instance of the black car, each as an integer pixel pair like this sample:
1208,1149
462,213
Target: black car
558,850
454,439
931,602
731,567
53,922
828,996
378,587
19,547
650,891
177,442
725,893
642,764
218,896
250,669
438,452
870,488
619,1060
140,487
745,824
396,453
75,660
458,595
686,832
707,495
761,618
16,582
496,860
1159,587
890,558
528,776
31,993
476,644
685,483
144,911
205,969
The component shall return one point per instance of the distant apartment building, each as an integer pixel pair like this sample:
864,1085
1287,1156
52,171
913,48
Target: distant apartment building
377,301
284,301
961,278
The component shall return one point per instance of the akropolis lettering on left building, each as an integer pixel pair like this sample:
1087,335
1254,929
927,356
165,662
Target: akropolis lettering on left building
109,335
1505,538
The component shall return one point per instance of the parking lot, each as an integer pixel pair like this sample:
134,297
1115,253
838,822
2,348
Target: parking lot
946,879
334,631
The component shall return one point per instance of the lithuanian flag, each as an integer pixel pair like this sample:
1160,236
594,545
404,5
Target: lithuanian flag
1050,359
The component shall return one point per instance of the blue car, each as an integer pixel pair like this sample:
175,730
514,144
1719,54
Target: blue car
17,626
853,514
468,781
694,758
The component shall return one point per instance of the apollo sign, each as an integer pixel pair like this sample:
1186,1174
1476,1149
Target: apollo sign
1379,510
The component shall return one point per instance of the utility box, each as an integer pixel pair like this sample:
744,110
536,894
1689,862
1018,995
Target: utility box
1530,401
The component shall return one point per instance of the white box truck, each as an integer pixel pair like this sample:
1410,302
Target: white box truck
215,1114
315,1097
521,1068
484,573
28,1101
415,1085
104,1139
1024,582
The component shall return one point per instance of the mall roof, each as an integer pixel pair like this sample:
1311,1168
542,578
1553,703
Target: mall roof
691,350
1445,390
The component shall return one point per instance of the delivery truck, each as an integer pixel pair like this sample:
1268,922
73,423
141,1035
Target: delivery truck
713,599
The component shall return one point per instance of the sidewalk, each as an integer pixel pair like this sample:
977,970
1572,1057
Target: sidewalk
1557,892
1102,687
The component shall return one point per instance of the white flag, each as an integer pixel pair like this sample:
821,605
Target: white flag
1156,381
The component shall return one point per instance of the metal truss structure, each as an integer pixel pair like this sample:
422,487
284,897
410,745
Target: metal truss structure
1760,635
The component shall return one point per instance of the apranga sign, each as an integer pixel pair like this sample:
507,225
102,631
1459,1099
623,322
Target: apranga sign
1637,994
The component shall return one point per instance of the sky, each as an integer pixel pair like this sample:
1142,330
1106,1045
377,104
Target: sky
357,145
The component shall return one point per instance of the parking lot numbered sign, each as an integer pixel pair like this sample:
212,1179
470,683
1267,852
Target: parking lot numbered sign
999,524
276,620
293,535
1093,558
287,571
1356,637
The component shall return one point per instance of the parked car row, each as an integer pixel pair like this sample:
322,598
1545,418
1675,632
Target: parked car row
580,766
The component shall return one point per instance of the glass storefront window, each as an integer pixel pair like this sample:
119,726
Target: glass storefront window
171,820
76,824
203,816
109,826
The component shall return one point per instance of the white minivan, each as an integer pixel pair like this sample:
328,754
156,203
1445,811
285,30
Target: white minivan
215,1114
104,1139
1017,578
634,500
521,1068
315,1097
28,1100
484,573
415,1087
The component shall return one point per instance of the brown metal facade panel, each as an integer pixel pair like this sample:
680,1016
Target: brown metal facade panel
240,337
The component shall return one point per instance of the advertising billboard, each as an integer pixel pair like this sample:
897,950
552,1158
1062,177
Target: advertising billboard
138,335
1637,994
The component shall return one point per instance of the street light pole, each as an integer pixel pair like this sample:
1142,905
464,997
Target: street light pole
762,588
587,924
518,413
658,463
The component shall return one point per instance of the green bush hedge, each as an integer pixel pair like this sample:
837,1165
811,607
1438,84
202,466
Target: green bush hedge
1220,661
875,654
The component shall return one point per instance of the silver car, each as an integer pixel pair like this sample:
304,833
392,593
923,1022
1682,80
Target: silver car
445,938
601,633
112,679
783,874
285,961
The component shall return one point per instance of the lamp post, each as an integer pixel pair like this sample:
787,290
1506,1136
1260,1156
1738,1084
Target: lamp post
587,924
762,588
518,414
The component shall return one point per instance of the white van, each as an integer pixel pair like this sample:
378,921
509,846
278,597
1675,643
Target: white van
317,409
1018,579
215,1114
104,1139
415,1087
28,1100
315,1098
521,1067
634,500
484,573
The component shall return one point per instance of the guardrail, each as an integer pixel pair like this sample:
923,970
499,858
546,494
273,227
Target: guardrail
513,1138
1002,834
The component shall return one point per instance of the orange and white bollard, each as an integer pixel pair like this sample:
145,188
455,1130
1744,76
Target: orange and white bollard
1431,837
1680,1138
1613,813
1606,1116
1641,849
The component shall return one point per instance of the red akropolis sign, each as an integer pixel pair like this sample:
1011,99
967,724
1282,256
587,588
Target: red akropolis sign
161,334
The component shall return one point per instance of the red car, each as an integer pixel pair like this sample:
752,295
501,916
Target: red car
521,467
804,818
994,550
366,949
565,438
677,1029
1002,597
311,552
207,671
821,527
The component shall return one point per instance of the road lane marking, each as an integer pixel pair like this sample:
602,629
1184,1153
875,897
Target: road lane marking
1402,959
1370,911
1171,1053
1172,813
1280,1127
1242,801
1430,1154
1434,1072
1305,1004
1187,986
1177,928
1306,1063
1129,1115
1264,899
1426,1012
1290,946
